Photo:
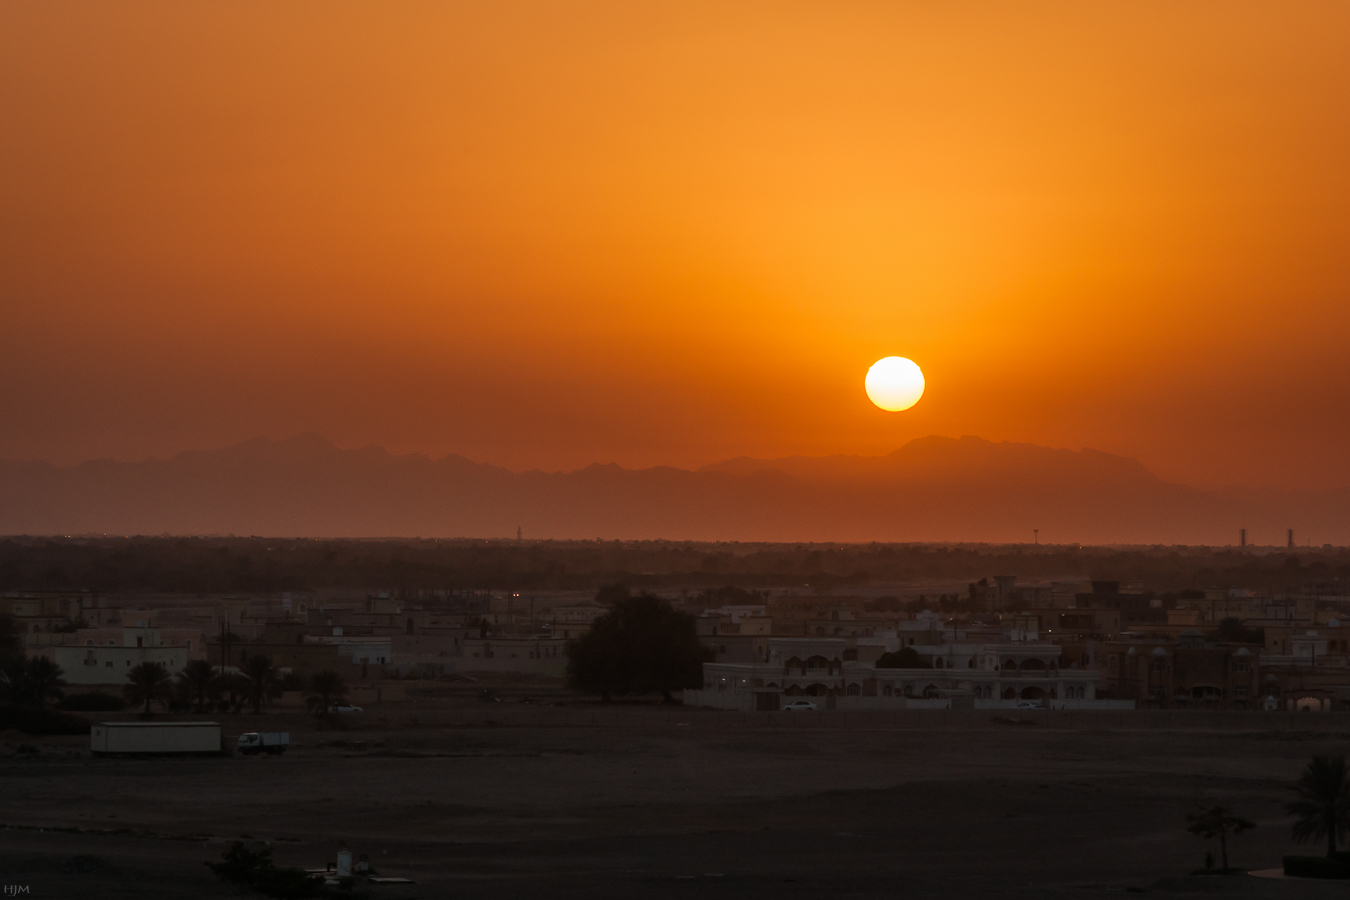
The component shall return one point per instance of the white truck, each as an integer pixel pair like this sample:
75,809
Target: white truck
155,738
255,742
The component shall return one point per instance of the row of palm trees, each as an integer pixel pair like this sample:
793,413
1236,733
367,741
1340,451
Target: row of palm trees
33,681
1321,809
30,681
256,683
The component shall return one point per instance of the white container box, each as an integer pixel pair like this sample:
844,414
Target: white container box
110,738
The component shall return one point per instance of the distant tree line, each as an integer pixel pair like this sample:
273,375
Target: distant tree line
213,565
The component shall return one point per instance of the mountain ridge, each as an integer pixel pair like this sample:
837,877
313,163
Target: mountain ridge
931,489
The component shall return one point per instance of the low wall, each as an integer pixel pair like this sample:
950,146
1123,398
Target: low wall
720,700
659,717
745,702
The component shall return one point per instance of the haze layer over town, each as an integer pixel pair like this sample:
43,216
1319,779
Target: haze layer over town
721,450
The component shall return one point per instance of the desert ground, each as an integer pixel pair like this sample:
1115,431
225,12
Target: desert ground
513,799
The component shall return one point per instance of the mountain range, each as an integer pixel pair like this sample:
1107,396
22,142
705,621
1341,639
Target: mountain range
932,489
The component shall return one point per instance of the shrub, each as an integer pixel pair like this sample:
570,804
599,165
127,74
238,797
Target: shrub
94,701
904,658
253,867
1315,867
36,720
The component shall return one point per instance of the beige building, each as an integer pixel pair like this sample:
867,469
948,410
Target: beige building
110,665
525,655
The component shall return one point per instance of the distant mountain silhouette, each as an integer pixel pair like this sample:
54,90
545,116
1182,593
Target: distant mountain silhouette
932,489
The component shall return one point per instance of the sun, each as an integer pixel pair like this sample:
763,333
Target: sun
894,383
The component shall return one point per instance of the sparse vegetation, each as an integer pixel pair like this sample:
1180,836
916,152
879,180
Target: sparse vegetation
1217,822
218,564
252,866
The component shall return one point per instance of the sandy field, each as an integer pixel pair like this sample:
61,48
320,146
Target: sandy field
474,799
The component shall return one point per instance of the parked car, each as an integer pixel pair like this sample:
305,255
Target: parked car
1029,704
798,706
345,709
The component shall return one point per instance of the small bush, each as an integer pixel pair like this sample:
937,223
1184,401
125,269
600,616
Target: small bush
36,720
253,867
904,658
94,701
1315,867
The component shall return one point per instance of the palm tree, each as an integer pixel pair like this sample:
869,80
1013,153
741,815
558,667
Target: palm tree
1323,804
198,680
1217,822
263,681
31,682
325,689
148,683
42,681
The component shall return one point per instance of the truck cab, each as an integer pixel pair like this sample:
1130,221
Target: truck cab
271,742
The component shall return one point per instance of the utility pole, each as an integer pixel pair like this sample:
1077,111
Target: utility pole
1036,532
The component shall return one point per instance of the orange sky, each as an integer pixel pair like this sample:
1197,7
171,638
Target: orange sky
547,235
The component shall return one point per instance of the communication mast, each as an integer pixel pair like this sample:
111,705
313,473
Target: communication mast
1242,538
1291,539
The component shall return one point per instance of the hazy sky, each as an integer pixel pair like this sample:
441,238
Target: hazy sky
548,235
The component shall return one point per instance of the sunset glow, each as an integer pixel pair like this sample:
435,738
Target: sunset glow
673,234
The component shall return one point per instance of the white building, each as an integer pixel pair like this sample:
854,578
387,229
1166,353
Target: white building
827,670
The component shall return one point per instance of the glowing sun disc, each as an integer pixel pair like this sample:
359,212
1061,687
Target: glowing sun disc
894,383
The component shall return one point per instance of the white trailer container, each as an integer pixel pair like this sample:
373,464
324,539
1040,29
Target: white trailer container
158,738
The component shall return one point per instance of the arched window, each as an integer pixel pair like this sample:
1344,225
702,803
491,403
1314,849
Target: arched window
854,690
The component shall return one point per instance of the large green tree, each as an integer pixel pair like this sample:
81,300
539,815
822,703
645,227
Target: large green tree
1323,804
641,645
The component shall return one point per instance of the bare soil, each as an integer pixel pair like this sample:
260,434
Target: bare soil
476,799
